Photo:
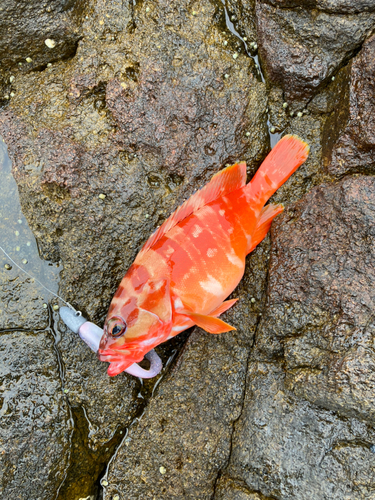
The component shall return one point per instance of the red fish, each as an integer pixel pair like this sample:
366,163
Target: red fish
196,258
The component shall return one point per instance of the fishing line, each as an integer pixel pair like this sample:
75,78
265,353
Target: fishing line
78,313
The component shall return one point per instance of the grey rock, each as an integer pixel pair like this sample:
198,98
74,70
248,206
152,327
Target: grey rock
183,438
285,448
35,426
336,6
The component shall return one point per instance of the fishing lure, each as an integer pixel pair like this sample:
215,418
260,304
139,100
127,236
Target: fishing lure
187,268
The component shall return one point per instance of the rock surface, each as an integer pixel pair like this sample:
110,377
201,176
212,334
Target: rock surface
314,351
25,26
35,429
285,448
349,133
159,96
321,298
301,48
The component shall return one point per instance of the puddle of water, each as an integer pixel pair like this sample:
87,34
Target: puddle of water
17,239
274,136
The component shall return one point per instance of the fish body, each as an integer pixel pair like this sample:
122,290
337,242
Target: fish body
188,267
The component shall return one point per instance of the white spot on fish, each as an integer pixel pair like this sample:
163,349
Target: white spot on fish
234,259
169,251
179,328
196,231
178,303
211,252
222,212
212,285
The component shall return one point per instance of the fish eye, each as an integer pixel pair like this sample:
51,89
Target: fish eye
116,327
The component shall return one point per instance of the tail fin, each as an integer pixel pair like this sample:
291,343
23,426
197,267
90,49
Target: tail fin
284,159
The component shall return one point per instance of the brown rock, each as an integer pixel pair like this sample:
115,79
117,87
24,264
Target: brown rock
321,299
349,135
25,26
302,48
143,114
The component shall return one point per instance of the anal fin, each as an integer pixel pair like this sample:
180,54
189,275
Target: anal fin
267,214
223,307
208,323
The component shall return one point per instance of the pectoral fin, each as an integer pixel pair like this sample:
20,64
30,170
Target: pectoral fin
208,323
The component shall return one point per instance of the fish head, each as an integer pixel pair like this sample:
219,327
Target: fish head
135,324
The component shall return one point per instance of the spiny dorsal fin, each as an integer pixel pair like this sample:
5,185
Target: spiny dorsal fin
224,182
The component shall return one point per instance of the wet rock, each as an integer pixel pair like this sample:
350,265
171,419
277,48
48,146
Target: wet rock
230,489
16,313
35,419
302,48
319,317
286,448
241,16
88,391
349,132
306,426
34,33
143,114
279,116
336,6
183,439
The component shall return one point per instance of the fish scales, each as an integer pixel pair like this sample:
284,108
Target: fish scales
195,259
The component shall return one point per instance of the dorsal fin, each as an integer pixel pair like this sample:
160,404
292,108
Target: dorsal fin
224,182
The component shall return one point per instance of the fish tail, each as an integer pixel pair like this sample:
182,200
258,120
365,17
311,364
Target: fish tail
284,159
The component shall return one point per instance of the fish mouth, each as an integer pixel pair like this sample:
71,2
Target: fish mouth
118,364
122,354
110,355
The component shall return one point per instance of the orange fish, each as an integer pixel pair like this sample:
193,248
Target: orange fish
194,260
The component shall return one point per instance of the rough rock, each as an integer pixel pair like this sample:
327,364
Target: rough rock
306,429
336,6
286,448
183,438
187,426
310,173
26,24
230,489
143,114
35,430
241,16
349,136
302,48
319,314
151,105
35,427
